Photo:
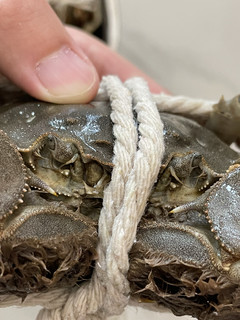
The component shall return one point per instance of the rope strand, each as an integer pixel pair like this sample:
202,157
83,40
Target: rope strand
197,109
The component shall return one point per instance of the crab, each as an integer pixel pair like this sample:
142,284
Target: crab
190,164
186,256
56,161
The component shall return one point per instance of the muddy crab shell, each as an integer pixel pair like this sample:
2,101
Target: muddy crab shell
13,176
183,135
45,223
223,210
187,244
90,125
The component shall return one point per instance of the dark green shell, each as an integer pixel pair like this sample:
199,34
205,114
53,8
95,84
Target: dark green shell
91,126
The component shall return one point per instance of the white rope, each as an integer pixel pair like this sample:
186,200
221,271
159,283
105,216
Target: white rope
138,152
136,165
197,109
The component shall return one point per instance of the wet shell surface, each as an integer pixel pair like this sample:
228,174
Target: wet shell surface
223,210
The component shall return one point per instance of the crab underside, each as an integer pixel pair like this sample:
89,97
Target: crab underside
55,163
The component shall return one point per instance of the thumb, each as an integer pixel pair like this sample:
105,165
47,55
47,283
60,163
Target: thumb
39,56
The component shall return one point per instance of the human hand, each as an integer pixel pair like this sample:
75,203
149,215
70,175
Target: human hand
52,62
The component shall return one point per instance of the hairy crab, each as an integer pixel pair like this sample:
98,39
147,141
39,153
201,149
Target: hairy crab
56,161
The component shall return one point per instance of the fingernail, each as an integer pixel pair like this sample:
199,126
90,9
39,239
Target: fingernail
65,74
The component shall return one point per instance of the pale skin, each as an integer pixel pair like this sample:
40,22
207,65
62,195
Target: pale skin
53,62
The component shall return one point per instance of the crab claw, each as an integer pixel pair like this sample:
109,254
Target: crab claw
35,182
197,204
225,119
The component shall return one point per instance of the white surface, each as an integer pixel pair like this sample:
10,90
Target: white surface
190,47
132,313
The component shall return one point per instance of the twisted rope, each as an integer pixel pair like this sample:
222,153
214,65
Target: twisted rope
197,109
124,201
138,152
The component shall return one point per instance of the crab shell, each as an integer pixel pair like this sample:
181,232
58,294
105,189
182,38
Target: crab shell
223,211
11,165
90,127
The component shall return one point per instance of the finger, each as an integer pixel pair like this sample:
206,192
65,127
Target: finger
38,55
107,61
